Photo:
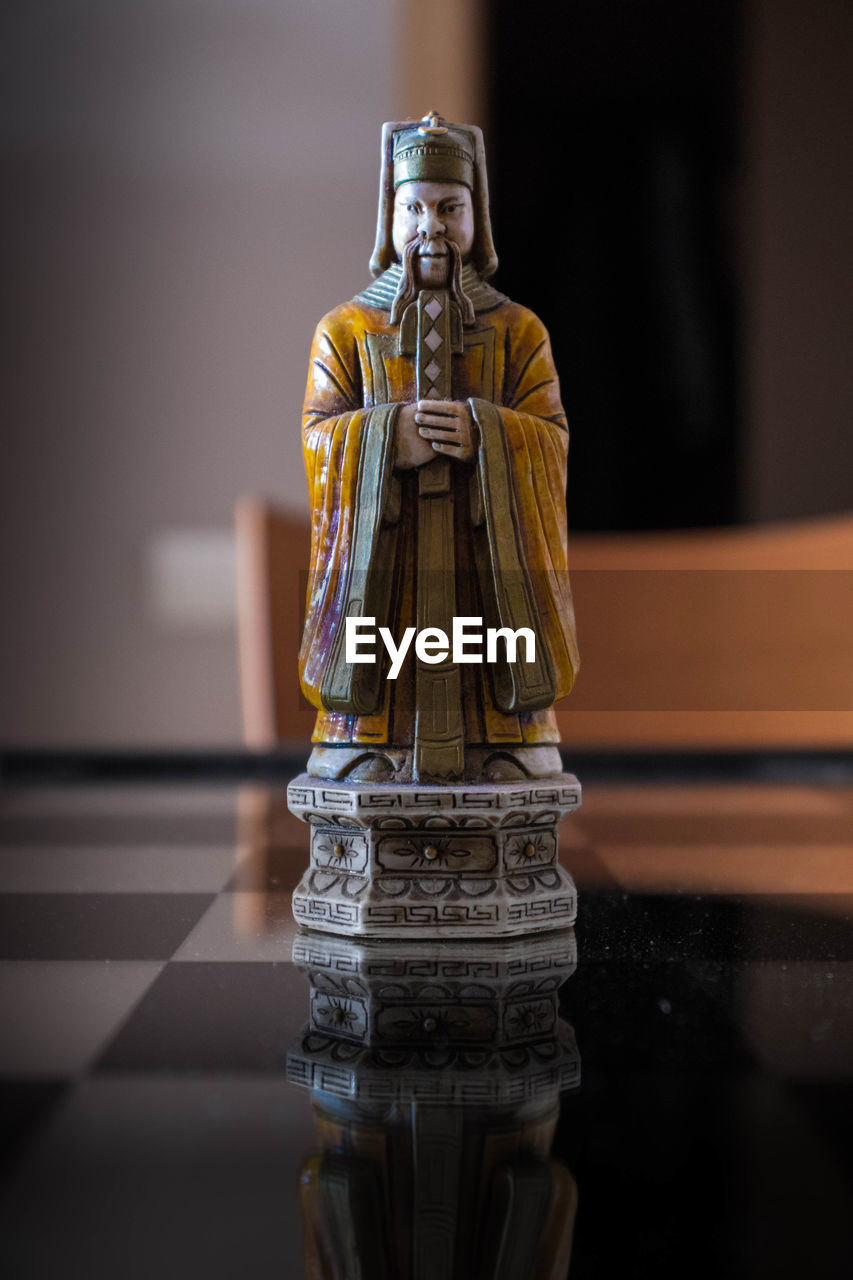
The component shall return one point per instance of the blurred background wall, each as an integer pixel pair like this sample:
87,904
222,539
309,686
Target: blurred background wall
193,184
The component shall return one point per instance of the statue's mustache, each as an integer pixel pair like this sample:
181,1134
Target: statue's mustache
407,290
436,242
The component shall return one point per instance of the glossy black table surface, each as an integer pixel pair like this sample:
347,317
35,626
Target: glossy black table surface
190,1087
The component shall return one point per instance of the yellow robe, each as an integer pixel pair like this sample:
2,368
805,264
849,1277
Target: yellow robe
509,522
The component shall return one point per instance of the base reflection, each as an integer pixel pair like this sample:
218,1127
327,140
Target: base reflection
436,1071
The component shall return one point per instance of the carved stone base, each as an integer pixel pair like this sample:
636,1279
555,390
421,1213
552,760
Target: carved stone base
466,861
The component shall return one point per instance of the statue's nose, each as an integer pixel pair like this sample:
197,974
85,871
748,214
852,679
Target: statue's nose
431,224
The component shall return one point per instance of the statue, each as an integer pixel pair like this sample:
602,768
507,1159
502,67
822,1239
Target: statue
435,446
439,627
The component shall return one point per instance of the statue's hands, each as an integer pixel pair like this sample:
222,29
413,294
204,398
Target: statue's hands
428,427
410,449
447,426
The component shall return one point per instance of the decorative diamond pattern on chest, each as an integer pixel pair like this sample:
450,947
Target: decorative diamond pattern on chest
433,355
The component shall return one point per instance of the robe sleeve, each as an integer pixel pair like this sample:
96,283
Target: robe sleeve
520,514
351,488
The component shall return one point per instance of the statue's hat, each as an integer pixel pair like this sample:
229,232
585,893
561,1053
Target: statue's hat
433,150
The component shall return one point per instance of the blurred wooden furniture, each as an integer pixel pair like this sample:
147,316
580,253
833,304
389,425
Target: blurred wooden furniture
714,638
272,575
719,638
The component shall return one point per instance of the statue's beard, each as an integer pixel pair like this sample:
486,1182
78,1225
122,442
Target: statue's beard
410,285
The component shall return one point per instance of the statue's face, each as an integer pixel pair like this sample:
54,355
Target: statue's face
437,211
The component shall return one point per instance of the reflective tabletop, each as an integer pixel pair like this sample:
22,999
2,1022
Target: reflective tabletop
192,1086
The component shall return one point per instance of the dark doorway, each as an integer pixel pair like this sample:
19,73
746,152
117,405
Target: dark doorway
613,152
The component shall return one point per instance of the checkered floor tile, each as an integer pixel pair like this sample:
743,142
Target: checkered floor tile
148,1002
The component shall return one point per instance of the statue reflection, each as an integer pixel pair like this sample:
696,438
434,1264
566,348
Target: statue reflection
436,1071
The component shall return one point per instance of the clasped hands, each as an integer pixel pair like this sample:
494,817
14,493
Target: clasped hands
429,427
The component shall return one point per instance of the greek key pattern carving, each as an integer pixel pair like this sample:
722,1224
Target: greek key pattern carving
562,906
473,1088
473,903
432,913
308,797
534,965
345,958
327,799
318,1075
324,910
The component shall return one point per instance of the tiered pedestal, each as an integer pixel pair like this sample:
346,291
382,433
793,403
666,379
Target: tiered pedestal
465,861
